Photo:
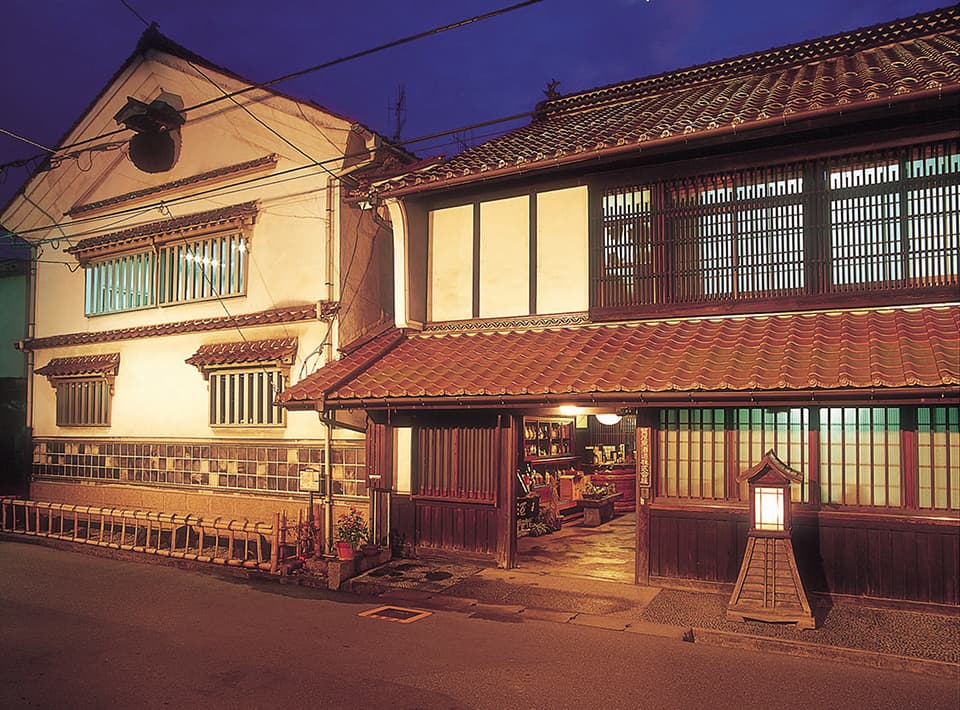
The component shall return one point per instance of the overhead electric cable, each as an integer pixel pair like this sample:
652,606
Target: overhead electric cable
263,178
356,55
25,140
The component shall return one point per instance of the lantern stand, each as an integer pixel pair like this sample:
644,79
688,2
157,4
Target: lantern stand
769,586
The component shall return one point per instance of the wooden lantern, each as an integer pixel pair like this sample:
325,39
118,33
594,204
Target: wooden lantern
769,587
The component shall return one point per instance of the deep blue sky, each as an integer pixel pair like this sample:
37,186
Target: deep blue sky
57,54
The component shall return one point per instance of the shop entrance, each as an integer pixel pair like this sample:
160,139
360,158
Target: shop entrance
576,505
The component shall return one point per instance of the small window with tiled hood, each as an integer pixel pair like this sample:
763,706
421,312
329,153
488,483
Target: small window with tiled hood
84,388
244,379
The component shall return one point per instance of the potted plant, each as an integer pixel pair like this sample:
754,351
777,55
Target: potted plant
351,532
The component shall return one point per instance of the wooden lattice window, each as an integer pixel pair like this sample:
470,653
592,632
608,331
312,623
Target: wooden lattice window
245,397
785,431
121,283
203,268
895,219
867,222
860,454
692,454
83,401
938,458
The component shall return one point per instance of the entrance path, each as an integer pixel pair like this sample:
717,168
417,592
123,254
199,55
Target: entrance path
604,552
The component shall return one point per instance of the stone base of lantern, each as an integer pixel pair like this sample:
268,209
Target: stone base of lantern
769,587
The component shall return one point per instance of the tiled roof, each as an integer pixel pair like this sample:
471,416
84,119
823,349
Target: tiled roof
284,314
227,170
878,66
314,387
891,348
107,364
197,220
244,352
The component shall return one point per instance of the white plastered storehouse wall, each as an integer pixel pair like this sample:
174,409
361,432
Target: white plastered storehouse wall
291,260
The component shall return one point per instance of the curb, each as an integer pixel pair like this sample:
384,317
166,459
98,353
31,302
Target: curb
697,635
805,649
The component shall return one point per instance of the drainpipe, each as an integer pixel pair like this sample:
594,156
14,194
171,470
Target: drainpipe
30,362
327,435
329,424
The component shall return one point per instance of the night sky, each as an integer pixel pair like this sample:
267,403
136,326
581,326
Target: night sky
58,54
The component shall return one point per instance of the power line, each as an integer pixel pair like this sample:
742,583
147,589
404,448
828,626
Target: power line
325,65
245,184
138,15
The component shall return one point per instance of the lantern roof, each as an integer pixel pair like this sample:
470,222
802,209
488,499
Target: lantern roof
770,470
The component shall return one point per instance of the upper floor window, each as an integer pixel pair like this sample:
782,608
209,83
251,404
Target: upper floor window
203,268
824,228
895,221
192,258
750,236
121,283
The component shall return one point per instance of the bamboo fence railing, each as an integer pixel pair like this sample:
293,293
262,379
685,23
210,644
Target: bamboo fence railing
239,543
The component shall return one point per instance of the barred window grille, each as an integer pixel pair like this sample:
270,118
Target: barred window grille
83,402
860,450
246,398
938,458
203,268
121,283
858,223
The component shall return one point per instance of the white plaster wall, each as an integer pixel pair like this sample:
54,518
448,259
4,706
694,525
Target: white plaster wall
505,257
158,395
450,291
287,260
562,253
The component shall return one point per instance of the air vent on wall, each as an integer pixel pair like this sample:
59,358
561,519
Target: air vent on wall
156,145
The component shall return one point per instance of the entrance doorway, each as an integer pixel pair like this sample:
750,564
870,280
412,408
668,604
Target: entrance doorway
576,508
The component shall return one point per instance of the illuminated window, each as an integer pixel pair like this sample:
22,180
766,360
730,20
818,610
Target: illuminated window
627,254
122,283
785,431
203,268
894,221
860,456
245,398
692,460
751,237
938,457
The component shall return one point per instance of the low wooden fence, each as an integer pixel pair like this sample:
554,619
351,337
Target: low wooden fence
238,543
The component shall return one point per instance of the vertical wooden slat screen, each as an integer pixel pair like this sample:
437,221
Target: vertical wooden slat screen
457,462
863,222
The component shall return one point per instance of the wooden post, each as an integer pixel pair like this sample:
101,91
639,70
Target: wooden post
644,461
275,544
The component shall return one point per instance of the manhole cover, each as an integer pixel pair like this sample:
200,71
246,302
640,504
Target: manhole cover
437,576
396,613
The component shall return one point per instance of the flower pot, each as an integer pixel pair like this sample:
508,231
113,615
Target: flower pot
370,550
344,551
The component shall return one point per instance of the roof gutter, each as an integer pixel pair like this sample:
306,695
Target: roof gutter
906,395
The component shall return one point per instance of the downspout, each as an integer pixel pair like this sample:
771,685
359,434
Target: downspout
30,362
329,424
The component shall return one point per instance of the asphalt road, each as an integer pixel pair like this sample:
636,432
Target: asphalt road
78,631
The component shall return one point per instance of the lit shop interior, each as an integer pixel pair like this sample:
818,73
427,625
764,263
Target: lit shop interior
577,471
